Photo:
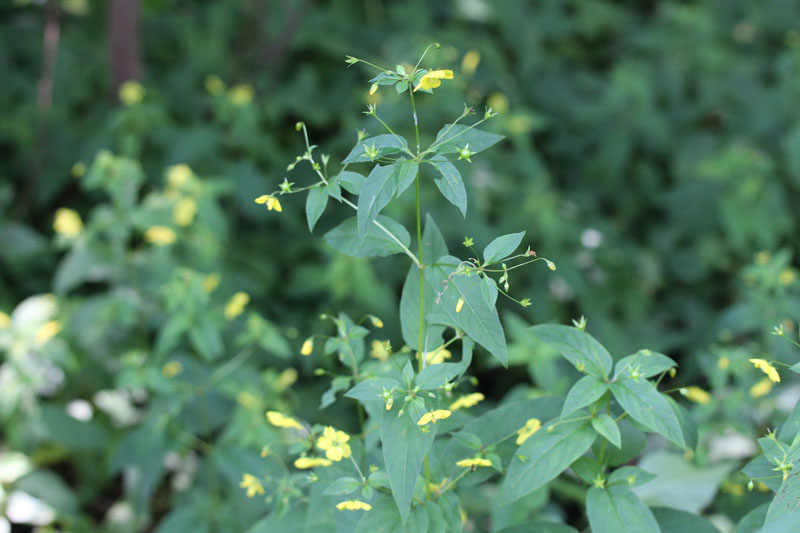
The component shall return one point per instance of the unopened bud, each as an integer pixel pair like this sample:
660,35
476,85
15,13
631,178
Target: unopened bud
298,126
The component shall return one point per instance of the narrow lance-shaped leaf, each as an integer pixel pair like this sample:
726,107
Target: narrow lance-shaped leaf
616,509
450,184
646,405
384,144
452,137
585,391
577,346
344,238
502,247
316,202
376,193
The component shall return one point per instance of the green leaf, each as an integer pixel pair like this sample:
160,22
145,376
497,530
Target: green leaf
451,508
450,184
477,318
206,338
489,290
752,521
371,389
624,473
385,144
586,390
675,521
788,523
435,376
791,427
646,405
577,346
607,427
633,442
344,238
787,497
351,181
376,193
316,202
688,426
433,246
646,362
406,173
502,247
760,467
544,456
617,510
452,137
404,449
343,485
587,468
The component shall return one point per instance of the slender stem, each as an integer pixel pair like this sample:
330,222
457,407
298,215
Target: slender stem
420,346
363,479
416,122
396,136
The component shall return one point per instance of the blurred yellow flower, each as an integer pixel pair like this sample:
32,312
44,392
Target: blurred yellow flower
433,79
178,175
760,389
787,276
307,347
432,416
172,369
211,282
472,463
467,401
531,426
131,92
459,305
379,351
767,368
762,257
373,89
376,322
311,462
498,102
47,331
353,505
241,94
439,355
334,443
698,395
236,305
470,62
286,379
247,400
67,223
214,85
252,484
184,211
282,421
160,235
78,169
723,362
270,201
5,320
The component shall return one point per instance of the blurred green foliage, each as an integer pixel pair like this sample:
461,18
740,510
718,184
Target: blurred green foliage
652,153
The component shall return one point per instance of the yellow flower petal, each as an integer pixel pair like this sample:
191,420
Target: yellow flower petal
308,346
467,401
767,368
280,420
67,223
433,79
311,462
698,395
160,235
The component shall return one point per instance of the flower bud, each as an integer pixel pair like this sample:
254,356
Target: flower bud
298,126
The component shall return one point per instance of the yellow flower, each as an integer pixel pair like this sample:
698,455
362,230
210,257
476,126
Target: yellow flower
379,351
214,85
353,505
767,368
498,102
334,443
723,362
472,463
178,175
270,201
241,94
247,400
282,421
252,484
78,169
467,401
433,79
311,462
211,282
172,369
308,346
762,257
286,379
470,62
131,92
438,355
459,305
737,489
376,322
373,89
184,211
551,265
787,276
67,223
432,416
47,331
5,320
236,305
530,427
760,389
696,394
160,235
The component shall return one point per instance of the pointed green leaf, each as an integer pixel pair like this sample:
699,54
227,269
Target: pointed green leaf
577,346
316,202
351,181
344,238
647,363
787,499
406,173
586,390
502,247
376,193
450,184
676,521
435,376
385,144
452,137
343,485
371,389
607,427
646,405
544,456
618,510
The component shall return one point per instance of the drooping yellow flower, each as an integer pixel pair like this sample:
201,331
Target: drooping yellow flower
472,463
531,426
698,395
551,265
470,62
760,389
252,484
47,331
184,211
439,355
160,235
67,223
236,305
353,505
767,368
5,320
178,175
308,346
376,322
379,351
459,305
467,401
211,282
311,462
282,421
373,89
214,85
131,92
172,369
432,416
334,443
241,94
270,201
433,79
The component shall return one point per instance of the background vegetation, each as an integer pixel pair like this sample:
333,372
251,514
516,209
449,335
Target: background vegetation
652,153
